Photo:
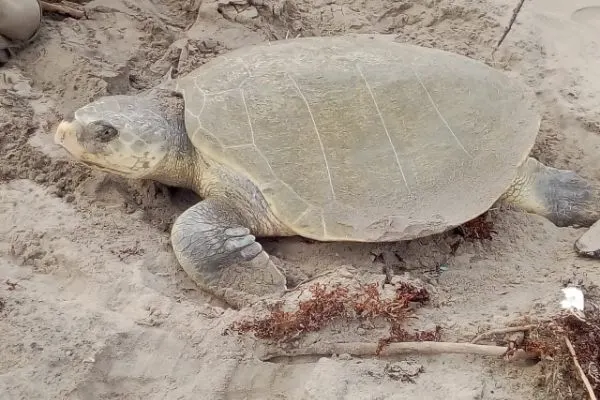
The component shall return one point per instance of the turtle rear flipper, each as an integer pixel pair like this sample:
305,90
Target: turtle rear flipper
561,196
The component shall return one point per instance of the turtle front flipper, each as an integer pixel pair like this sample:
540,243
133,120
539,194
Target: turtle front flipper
216,249
561,196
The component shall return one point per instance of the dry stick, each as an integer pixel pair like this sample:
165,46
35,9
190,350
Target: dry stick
60,9
502,330
584,378
370,349
510,24
304,282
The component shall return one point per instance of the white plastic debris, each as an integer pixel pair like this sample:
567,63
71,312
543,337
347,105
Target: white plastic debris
573,299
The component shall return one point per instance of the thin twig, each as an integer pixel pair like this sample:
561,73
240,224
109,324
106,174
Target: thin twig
370,349
502,330
304,282
510,24
61,9
584,378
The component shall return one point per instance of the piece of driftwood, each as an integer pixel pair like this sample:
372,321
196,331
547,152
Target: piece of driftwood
370,349
62,9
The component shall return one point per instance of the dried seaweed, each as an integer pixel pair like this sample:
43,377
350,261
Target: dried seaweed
548,339
585,338
478,228
327,305
311,316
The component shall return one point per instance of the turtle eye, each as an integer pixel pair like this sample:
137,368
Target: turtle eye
103,131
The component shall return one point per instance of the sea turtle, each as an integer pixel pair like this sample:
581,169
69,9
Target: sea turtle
349,138
20,21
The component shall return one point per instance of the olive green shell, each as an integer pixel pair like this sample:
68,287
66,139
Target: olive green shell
360,137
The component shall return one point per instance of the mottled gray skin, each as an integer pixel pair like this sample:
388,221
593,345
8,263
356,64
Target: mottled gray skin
144,137
20,22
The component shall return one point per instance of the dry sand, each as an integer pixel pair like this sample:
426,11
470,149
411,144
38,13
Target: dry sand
93,304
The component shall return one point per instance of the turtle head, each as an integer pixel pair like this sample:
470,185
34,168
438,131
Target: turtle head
131,136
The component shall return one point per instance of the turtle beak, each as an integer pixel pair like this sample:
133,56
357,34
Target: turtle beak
66,136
